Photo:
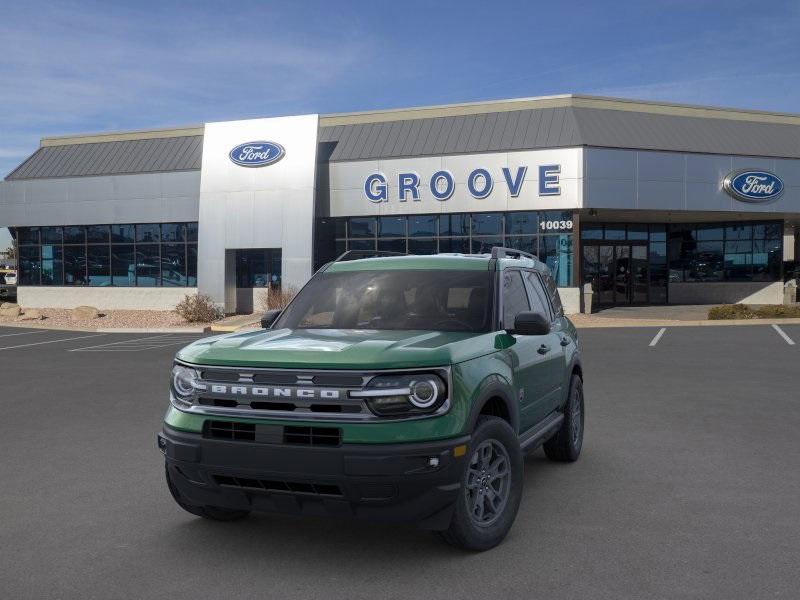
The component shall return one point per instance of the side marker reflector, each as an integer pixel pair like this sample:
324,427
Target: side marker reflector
460,450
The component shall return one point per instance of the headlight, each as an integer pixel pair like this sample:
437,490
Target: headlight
404,394
183,381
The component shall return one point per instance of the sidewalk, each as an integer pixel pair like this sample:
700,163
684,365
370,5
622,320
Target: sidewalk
662,316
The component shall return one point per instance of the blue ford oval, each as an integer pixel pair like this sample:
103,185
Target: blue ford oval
257,154
753,186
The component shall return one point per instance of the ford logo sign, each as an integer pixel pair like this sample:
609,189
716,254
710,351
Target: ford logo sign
753,186
257,154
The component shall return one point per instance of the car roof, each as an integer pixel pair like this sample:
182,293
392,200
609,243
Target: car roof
455,262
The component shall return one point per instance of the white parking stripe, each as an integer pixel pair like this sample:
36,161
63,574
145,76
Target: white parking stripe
138,344
782,333
658,336
24,333
151,337
83,337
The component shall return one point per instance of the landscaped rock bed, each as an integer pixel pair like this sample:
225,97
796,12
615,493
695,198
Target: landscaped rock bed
105,319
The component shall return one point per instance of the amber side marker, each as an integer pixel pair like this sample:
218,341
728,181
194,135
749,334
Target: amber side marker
460,450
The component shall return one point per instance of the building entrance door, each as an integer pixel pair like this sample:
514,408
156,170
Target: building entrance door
618,272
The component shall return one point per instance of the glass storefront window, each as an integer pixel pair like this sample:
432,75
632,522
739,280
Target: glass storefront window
148,233
522,223
446,233
453,225
614,231
27,235
487,224
148,265
526,243
556,252
99,265
107,255
122,234
454,245
392,245
418,246
74,235
123,265
52,265
51,235
591,231
97,234
391,227
173,232
362,227
75,265
30,264
173,265
484,245
422,225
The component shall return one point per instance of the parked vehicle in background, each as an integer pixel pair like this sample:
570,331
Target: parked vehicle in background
8,284
402,388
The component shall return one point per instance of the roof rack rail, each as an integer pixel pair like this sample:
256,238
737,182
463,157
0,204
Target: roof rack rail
500,252
356,254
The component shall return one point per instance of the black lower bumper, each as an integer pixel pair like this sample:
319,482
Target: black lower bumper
415,482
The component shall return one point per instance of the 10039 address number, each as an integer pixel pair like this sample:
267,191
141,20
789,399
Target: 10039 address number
556,225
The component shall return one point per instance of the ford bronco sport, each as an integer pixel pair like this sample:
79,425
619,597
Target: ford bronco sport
398,388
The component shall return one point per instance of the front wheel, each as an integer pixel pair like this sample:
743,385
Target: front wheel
491,488
566,444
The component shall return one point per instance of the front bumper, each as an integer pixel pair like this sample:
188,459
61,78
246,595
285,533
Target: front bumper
410,482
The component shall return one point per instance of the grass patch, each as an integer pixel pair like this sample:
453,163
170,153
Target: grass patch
751,311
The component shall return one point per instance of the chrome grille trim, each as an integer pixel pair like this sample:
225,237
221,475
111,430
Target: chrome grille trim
353,396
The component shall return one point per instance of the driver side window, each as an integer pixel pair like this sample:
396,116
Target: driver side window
515,299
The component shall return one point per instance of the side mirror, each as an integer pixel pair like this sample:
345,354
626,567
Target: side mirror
531,323
269,318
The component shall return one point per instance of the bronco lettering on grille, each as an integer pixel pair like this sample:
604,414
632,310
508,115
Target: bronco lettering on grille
275,392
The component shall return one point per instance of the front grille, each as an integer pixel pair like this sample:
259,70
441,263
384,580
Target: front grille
273,434
287,487
229,430
312,436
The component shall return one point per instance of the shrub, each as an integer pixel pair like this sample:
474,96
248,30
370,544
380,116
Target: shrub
731,311
198,308
270,298
747,311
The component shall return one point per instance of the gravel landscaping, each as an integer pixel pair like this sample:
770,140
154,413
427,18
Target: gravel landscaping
56,318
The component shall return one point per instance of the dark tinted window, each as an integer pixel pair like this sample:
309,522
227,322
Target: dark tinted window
362,227
552,292
97,234
422,226
148,233
515,299
391,226
538,296
393,300
487,224
122,234
99,263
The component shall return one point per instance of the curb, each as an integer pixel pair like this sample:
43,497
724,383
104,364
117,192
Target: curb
161,330
619,323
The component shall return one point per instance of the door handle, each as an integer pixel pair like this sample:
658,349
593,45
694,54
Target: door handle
543,349
565,341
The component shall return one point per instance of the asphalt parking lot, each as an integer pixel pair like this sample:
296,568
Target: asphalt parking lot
688,486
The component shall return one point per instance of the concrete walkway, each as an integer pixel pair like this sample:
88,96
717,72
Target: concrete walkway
663,316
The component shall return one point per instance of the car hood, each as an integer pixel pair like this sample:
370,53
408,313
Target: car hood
338,348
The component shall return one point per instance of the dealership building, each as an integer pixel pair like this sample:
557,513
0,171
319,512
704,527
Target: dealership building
651,203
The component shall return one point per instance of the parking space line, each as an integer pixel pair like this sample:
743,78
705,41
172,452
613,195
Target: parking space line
24,333
137,344
782,333
82,337
658,337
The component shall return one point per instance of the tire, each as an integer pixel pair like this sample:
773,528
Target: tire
214,513
477,532
566,444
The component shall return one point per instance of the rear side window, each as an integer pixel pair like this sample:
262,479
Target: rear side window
552,291
515,299
538,296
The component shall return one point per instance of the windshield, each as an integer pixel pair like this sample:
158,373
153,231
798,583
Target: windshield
399,299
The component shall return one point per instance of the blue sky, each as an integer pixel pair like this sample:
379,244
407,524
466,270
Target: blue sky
74,67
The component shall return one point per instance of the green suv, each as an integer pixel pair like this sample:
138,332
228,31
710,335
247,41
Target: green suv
395,388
